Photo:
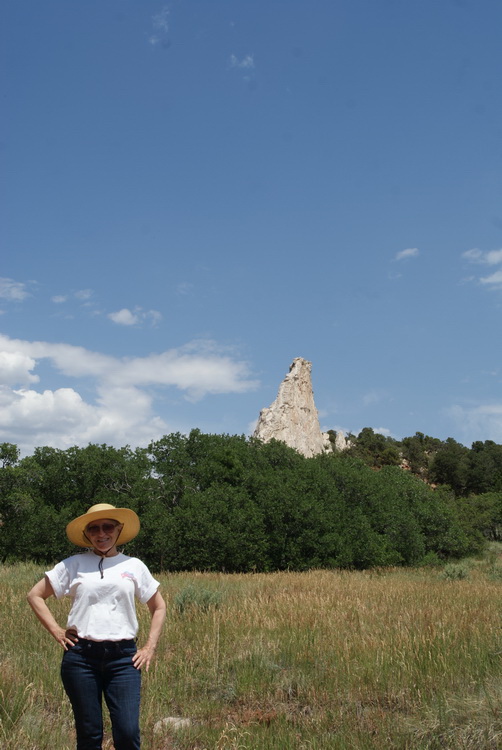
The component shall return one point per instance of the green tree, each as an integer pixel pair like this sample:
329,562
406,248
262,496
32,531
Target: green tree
229,502
43,492
375,449
485,468
419,451
481,517
9,455
218,528
450,466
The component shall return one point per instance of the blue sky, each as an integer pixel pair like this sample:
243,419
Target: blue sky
196,192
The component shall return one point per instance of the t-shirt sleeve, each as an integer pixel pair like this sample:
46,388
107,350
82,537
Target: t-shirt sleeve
59,578
146,585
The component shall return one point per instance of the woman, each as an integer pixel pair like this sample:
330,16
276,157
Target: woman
99,640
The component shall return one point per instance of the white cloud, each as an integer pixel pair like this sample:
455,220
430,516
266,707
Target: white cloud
160,23
83,294
372,397
493,257
481,422
357,431
489,258
154,315
74,361
185,287
16,367
473,255
160,20
410,252
495,279
126,317
62,418
12,290
196,373
382,431
247,62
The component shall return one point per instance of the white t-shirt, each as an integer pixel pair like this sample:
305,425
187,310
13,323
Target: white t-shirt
103,609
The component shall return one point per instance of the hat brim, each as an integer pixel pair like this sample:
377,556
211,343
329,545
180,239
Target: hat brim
131,525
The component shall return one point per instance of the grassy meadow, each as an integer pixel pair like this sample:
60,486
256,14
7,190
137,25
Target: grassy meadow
392,658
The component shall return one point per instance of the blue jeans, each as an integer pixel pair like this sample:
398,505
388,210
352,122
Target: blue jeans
91,669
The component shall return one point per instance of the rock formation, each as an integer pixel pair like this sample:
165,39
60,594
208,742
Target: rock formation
336,441
293,417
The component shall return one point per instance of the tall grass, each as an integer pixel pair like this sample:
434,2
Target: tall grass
346,661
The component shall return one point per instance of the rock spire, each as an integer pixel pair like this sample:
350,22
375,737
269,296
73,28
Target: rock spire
293,418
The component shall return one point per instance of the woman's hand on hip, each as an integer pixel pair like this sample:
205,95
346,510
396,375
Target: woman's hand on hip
65,638
143,657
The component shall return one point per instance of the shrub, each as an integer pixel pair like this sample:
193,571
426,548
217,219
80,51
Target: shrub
455,572
196,599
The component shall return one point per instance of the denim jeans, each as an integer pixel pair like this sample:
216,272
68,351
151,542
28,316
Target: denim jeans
91,669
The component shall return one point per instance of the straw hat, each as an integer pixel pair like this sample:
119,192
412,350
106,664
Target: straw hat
75,529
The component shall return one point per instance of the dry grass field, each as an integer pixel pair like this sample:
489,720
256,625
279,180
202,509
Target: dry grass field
332,660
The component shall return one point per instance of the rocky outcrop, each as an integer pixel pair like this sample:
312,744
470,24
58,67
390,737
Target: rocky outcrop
336,441
293,418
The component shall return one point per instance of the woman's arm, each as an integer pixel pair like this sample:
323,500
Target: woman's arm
157,607
36,599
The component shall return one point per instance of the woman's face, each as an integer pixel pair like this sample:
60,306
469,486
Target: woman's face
103,533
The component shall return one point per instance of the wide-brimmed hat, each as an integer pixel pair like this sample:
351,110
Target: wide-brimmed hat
76,528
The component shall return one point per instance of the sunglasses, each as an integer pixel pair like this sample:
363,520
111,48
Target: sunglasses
97,527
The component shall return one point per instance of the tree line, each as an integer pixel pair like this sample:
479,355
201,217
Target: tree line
232,503
467,471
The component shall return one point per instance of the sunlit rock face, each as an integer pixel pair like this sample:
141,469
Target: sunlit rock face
342,443
292,418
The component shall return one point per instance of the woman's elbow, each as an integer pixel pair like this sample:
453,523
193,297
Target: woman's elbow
160,604
41,590
157,604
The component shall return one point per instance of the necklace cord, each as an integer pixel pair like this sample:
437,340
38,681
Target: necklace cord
102,554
